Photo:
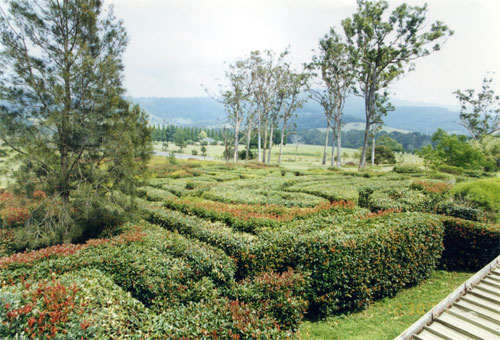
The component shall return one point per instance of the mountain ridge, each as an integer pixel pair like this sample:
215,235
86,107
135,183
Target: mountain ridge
206,112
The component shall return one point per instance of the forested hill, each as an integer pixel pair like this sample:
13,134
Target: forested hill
206,112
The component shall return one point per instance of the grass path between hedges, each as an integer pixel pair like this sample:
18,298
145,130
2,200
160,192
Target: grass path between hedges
387,318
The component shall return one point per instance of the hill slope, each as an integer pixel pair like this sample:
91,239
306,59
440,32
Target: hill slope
204,111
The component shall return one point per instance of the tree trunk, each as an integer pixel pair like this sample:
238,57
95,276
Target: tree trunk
259,135
332,160
326,144
226,156
339,144
270,143
373,145
369,102
236,133
249,138
362,161
63,134
282,140
265,144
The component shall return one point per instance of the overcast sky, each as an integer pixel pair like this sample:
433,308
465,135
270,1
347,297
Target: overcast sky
176,45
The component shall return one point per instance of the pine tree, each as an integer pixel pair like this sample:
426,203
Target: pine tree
63,113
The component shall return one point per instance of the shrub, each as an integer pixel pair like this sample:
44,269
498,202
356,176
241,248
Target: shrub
243,154
469,246
483,193
281,296
453,209
370,259
218,319
449,169
389,253
84,304
194,152
406,169
13,216
383,154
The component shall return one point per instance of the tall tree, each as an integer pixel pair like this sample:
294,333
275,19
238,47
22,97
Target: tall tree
63,112
480,114
382,107
264,94
294,86
384,48
326,99
235,97
335,66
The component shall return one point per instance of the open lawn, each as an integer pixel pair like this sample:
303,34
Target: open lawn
302,157
387,318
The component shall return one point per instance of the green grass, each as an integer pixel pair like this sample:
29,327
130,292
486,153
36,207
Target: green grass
387,318
304,157
482,192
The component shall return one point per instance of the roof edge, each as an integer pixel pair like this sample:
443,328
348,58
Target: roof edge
437,310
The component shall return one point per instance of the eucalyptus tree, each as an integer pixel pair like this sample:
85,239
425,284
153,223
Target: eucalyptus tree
294,86
385,46
265,75
235,97
61,90
249,127
335,67
382,107
280,74
262,77
320,92
480,114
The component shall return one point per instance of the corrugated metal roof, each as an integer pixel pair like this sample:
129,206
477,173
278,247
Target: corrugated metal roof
470,312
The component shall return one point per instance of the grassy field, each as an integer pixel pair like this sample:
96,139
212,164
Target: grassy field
302,157
387,318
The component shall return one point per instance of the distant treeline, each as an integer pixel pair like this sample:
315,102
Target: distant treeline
354,138
350,139
166,133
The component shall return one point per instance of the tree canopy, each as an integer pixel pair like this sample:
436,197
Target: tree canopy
384,47
62,107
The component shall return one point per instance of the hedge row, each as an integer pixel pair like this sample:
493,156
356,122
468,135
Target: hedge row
87,304
371,258
469,245
84,304
157,267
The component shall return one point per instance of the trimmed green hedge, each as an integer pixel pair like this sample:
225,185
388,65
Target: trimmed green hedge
469,245
157,267
350,266
83,304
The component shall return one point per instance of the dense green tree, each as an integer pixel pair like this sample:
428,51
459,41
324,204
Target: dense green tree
452,150
202,135
480,114
383,154
384,48
180,139
392,144
63,113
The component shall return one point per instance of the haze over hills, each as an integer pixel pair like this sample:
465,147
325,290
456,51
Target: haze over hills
206,112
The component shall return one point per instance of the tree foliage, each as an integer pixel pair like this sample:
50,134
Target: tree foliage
452,150
334,67
480,114
63,111
384,48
